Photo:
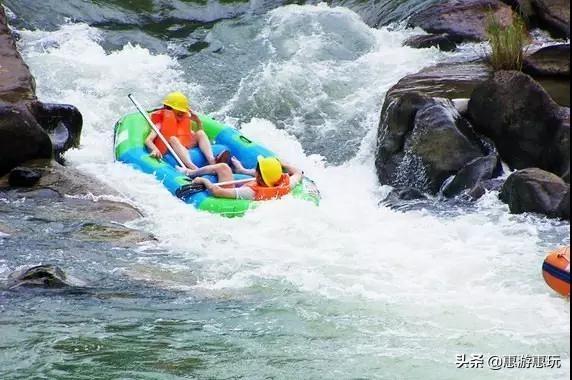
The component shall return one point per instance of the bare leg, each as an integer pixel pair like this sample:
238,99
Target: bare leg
241,169
182,152
205,146
222,171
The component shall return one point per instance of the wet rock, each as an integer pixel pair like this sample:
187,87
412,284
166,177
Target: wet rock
40,276
423,141
16,82
536,190
472,175
21,138
442,41
79,196
402,198
549,61
24,177
527,126
409,194
525,9
115,234
451,80
62,122
462,20
553,15
29,129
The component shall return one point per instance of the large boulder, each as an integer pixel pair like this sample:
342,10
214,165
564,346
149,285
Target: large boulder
462,20
448,80
535,190
422,141
527,126
21,138
549,61
554,15
29,129
16,82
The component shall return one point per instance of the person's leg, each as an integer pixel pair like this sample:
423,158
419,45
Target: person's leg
205,146
182,152
222,171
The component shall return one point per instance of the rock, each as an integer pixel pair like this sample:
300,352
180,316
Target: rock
16,82
564,206
462,20
29,129
442,41
403,198
472,175
422,142
115,234
24,177
409,194
525,9
451,80
40,276
527,126
63,122
79,193
21,138
554,15
535,190
549,61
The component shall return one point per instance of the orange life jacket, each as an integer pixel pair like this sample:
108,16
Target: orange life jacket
263,193
171,126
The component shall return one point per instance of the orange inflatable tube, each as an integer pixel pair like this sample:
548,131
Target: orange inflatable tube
556,271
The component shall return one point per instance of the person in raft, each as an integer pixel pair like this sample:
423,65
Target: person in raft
269,181
174,122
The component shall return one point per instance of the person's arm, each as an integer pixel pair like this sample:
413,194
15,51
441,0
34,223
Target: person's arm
155,152
294,173
194,117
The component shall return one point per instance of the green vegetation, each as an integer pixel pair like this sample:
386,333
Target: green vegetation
508,43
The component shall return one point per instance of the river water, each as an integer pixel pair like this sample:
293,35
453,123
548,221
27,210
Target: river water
348,290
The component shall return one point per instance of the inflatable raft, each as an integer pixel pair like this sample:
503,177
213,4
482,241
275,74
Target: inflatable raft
132,130
556,271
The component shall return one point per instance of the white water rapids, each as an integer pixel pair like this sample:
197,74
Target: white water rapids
416,285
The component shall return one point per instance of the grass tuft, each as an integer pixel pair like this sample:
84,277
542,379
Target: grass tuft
508,43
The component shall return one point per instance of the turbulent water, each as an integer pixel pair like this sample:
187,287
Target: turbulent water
349,289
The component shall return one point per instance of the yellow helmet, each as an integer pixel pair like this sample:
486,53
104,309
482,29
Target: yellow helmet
270,170
177,101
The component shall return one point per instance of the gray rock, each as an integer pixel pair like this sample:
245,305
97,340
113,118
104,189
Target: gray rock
41,276
450,80
442,41
554,15
29,129
549,61
472,175
536,190
423,141
526,125
21,138
24,177
462,20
